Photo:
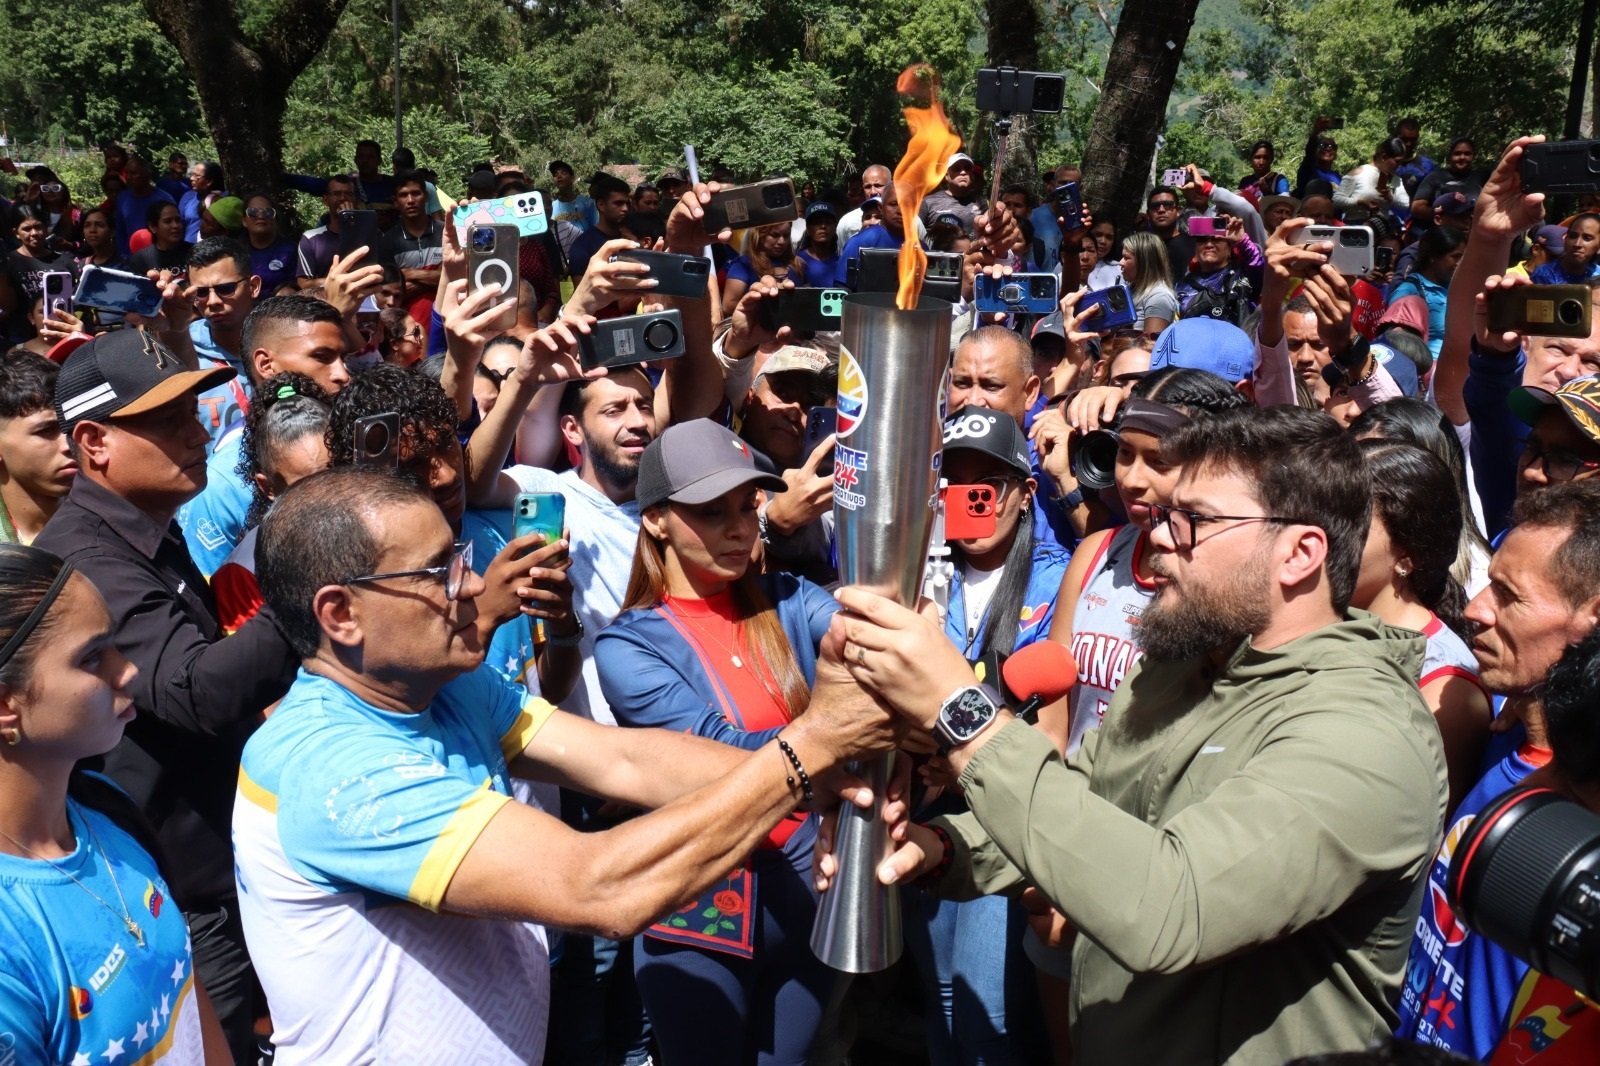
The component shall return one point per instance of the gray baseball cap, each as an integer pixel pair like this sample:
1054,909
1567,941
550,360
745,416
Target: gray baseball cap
697,461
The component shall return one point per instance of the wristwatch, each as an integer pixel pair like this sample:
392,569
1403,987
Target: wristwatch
966,713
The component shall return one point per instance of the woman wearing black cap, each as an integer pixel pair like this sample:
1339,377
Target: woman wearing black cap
94,955
704,644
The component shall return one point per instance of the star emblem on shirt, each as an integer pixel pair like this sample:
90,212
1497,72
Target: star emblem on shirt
166,1007
113,1051
155,1019
141,1035
80,1059
177,979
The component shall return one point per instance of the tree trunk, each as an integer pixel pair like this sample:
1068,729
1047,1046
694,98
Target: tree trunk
244,81
1151,35
1014,42
1580,60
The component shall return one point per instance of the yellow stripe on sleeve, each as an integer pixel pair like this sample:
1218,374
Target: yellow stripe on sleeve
535,713
256,794
452,845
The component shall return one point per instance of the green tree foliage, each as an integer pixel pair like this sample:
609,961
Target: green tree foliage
1462,67
82,73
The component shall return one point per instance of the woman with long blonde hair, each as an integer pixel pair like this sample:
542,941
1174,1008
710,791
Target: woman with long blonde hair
706,645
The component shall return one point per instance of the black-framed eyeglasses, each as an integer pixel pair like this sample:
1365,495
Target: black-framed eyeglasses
1184,525
261,212
223,289
497,376
454,572
1558,463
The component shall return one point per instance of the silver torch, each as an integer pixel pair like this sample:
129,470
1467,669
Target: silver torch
891,383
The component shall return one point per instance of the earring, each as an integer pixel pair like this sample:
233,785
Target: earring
1403,569
12,736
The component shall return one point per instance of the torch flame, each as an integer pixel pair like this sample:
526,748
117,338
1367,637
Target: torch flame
922,168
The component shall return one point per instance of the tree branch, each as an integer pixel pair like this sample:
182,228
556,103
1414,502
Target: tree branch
297,33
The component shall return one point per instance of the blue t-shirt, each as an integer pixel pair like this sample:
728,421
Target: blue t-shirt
872,237
221,406
131,212
819,272
213,521
1552,273
189,207
75,986
1460,987
579,211
276,265
742,269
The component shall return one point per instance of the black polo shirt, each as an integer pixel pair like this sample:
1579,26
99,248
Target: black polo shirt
199,694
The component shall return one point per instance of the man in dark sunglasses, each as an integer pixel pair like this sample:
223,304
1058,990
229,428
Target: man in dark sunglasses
1163,215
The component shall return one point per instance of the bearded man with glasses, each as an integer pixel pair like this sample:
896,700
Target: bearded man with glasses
1243,842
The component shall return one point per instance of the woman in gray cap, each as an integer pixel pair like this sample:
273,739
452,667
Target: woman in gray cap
706,644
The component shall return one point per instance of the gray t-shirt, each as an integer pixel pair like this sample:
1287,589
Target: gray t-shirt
1159,302
604,535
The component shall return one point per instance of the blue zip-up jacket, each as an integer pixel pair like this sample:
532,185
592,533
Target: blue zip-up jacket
1038,605
1498,436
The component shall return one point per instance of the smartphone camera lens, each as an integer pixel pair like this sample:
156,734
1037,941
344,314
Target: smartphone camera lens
1010,293
1355,238
1040,288
973,495
777,196
376,440
660,335
1569,312
482,239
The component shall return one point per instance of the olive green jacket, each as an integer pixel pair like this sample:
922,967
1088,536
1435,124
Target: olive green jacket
1243,850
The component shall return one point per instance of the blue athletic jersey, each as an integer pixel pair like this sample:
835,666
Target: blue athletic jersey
213,522
1460,987
75,986
350,822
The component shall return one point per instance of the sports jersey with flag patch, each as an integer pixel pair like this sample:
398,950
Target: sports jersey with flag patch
348,825
75,985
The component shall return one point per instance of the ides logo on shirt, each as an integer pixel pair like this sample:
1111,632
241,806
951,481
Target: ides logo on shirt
109,969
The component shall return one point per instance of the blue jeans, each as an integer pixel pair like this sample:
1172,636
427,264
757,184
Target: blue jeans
973,969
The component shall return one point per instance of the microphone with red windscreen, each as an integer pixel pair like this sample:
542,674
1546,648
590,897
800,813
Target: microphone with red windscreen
1041,673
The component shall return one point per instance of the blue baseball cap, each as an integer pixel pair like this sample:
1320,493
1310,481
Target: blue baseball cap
1399,366
1206,344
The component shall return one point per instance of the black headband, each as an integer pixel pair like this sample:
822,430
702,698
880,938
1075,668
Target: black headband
35,616
1147,416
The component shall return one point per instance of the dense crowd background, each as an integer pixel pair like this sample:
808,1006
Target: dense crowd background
282,763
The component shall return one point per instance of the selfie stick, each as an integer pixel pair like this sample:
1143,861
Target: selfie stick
693,166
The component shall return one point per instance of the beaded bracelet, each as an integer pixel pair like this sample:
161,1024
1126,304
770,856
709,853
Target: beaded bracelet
943,866
805,778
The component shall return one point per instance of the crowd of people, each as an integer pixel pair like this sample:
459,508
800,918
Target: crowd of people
310,752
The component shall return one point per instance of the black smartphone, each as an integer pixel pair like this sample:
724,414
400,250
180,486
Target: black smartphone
758,204
1542,310
878,270
675,275
804,310
632,339
359,229
1009,91
1383,258
1561,166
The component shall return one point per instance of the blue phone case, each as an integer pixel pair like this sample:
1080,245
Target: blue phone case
539,512
1018,294
1116,309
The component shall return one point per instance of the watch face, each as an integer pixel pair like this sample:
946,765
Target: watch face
970,712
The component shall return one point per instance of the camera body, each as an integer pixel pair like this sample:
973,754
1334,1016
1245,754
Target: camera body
631,340
1020,294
